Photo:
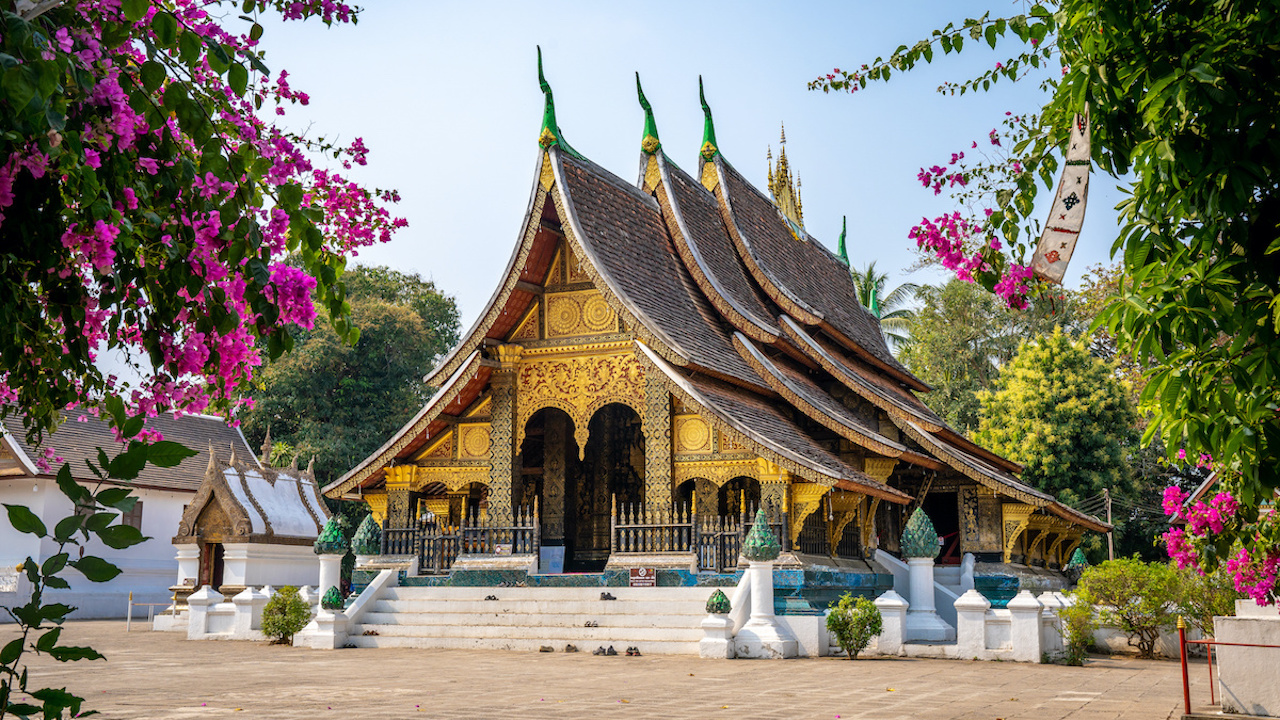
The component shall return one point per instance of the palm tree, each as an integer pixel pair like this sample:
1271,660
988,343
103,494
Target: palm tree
892,309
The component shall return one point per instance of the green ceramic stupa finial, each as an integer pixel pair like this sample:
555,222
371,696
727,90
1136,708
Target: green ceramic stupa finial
368,537
331,541
709,147
550,134
919,540
844,254
649,142
1077,560
718,603
761,545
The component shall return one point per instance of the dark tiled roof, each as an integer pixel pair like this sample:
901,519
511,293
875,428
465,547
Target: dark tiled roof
76,441
713,249
624,230
818,403
805,269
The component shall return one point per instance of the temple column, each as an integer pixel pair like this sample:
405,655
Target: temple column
399,485
657,445
502,434
774,483
555,432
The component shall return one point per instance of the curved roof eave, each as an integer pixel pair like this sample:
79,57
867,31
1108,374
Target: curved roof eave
476,333
762,445
418,424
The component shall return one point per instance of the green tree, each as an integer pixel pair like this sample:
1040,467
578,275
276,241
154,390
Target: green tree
1134,596
1183,103
892,308
1061,413
960,338
337,402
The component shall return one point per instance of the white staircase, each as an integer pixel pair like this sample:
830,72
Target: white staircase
658,621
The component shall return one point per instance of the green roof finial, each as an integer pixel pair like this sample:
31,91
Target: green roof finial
760,544
649,142
844,254
709,147
550,134
919,539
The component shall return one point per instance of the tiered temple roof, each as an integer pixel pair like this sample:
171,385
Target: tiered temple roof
745,317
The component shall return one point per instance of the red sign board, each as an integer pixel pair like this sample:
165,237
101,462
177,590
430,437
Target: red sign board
644,577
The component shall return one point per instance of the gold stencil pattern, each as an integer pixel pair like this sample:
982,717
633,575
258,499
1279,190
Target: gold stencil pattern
574,314
579,386
692,435
475,441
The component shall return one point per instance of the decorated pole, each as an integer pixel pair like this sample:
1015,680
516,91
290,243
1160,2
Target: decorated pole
330,546
761,636
919,546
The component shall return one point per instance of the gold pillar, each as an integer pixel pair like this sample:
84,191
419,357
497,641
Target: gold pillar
657,445
399,482
502,434
555,432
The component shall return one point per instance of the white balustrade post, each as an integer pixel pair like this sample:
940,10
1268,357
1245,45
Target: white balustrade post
893,613
971,625
199,602
1024,627
1051,641
330,574
248,618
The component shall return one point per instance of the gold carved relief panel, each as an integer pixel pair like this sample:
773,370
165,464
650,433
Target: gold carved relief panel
692,435
473,443
574,314
579,386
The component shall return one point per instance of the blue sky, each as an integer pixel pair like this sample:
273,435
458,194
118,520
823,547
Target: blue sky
446,98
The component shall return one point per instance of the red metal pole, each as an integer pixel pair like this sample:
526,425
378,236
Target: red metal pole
1212,700
1182,652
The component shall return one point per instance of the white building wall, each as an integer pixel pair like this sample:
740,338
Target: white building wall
147,569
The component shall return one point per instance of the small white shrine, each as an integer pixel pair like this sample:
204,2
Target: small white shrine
248,526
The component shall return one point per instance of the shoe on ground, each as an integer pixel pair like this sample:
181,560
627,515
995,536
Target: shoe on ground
610,651
546,648
598,651
635,652
607,596
570,648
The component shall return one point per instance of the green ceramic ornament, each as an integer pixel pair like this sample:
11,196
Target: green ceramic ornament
368,537
919,540
1077,560
718,603
331,541
761,545
332,599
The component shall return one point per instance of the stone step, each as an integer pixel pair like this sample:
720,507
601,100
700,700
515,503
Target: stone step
382,616
581,594
576,635
530,645
589,608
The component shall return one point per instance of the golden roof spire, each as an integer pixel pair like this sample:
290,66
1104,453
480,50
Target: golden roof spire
784,187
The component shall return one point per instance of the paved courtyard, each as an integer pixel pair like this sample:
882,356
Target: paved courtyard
162,676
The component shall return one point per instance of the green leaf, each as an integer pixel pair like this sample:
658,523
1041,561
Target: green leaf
238,78
167,454
132,426
129,463
67,653
113,497
25,521
67,527
95,568
75,492
121,536
165,27
189,48
135,10
12,651
54,563
153,75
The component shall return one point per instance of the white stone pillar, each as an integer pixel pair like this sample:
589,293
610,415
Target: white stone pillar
1024,627
923,622
188,563
762,636
199,602
716,641
971,625
330,574
893,612
248,617
1051,629
329,630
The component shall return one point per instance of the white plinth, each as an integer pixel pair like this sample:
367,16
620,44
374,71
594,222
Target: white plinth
1247,675
715,642
922,622
762,637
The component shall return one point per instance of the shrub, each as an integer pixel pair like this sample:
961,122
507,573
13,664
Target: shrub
1077,631
1134,596
284,615
1201,597
854,621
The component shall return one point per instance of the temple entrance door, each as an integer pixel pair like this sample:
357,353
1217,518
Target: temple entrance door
613,465
548,455
943,510
211,565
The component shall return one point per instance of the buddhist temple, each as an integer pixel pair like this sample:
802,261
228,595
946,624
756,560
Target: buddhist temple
666,356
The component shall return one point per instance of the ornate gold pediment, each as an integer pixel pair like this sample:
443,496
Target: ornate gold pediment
579,386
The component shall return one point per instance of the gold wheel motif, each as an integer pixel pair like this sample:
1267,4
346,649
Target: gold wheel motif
565,316
597,315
